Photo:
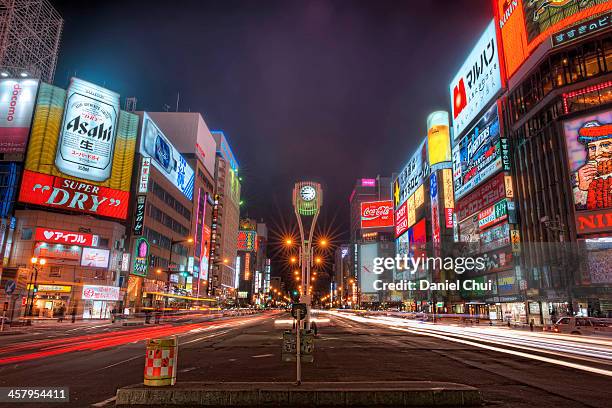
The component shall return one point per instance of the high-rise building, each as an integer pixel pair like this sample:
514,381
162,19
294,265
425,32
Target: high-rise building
558,112
371,233
30,32
191,136
226,217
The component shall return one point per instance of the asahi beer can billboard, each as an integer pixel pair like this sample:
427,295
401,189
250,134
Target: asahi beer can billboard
87,139
17,98
81,151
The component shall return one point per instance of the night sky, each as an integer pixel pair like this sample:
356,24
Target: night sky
325,90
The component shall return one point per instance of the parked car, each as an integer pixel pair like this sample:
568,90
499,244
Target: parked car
583,325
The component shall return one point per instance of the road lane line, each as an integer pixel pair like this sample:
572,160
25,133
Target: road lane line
263,355
116,364
105,402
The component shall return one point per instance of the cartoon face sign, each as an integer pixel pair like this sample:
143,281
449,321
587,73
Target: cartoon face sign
589,142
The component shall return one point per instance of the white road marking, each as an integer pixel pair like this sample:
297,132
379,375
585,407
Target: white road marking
105,402
116,364
263,355
204,338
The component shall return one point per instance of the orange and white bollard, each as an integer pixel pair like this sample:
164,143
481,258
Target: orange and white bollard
161,362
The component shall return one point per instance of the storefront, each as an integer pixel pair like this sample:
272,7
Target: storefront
51,300
99,301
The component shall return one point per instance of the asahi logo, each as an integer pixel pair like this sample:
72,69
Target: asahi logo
509,7
82,127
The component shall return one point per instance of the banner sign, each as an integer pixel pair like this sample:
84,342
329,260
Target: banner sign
139,214
81,151
477,82
17,98
141,257
377,214
96,292
412,176
65,237
480,154
165,158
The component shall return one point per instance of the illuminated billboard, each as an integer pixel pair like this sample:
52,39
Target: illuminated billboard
479,154
17,97
367,253
477,82
377,214
95,257
484,196
165,158
412,176
589,150
525,24
247,240
80,152
438,140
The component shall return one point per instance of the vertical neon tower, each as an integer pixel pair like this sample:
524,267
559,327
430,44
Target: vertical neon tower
307,202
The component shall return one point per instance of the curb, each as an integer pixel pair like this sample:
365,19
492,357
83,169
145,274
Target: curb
312,394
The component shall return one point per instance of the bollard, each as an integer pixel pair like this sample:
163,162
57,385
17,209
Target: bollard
161,362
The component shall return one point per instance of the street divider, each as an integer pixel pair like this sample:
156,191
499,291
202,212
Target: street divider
161,362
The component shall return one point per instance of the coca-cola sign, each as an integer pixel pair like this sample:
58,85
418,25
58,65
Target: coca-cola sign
377,214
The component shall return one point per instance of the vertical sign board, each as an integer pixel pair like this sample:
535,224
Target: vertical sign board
139,214
141,257
17,98
435,211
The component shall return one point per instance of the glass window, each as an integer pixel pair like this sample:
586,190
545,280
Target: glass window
26,234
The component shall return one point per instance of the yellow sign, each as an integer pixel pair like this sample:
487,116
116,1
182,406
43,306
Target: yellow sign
508,184
55,288
438,138
447,182
515,238
411,210
419,196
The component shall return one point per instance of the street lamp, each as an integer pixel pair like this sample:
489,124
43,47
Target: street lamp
32,285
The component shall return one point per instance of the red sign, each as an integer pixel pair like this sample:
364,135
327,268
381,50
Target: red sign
377,214
593,221
58,192
65,237
401,219
484,196
448,216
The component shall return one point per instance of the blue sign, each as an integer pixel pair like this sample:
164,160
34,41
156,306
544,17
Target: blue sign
10,286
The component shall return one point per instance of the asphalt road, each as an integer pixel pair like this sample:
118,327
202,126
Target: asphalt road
94,362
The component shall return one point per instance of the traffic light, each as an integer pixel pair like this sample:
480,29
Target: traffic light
295,295
184,274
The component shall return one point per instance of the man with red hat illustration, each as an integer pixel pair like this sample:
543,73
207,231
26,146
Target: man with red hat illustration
594,178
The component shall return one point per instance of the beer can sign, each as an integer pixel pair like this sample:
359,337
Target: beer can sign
377,214
87,138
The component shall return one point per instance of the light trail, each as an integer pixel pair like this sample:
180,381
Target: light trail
95,342
599,351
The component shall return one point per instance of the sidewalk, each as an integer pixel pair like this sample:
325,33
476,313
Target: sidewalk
308,394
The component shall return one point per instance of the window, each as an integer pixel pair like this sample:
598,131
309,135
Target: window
26,234
55,272
103,242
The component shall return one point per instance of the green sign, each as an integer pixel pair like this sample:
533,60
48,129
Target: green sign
141,257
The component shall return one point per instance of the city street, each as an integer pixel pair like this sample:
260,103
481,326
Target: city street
350,348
